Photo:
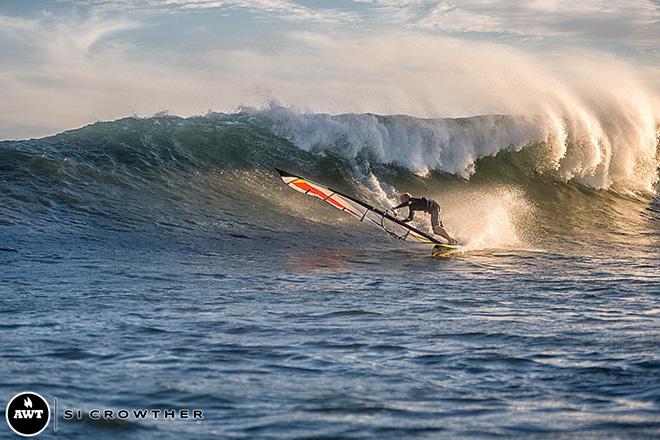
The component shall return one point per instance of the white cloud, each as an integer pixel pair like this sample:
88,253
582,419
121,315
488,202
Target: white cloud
625,22
66,71
286,9
80,76
57,76
633,22
16,23
636,22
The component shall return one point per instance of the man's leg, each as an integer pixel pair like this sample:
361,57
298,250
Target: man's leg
443,233
437,226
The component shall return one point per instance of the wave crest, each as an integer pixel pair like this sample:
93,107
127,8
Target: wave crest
601,156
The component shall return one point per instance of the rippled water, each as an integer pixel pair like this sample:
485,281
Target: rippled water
307,342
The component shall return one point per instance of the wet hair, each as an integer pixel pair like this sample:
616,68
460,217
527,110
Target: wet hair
406,195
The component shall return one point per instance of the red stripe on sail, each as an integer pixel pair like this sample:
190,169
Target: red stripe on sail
307,187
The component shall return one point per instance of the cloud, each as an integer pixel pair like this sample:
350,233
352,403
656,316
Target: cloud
635,21
285,9
9,24
70,69
55,74
623,22
631,25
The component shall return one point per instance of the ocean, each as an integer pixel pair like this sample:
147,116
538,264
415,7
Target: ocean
162,263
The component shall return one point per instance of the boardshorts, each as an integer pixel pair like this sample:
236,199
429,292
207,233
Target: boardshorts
434,210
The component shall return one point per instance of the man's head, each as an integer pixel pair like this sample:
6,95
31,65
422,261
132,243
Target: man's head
405,197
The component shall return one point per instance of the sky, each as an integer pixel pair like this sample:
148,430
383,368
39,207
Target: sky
65,64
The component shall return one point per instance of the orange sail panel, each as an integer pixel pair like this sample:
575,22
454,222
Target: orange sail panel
306,187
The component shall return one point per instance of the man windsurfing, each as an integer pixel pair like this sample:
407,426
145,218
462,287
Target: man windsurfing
429,206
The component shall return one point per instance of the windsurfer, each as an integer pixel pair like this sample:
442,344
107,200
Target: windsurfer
429,206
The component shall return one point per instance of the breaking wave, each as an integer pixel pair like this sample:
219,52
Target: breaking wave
214,173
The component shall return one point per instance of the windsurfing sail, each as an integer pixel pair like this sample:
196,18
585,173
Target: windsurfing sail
358,209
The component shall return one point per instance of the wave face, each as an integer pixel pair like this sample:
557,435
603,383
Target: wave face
502,180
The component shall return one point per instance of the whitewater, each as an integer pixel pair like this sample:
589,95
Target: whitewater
161,261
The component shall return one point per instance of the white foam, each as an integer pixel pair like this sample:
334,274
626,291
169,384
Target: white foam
581,148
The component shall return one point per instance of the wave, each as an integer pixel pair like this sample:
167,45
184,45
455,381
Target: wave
618,158
214,172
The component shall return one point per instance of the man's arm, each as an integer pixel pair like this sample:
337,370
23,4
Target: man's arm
401,205
411,214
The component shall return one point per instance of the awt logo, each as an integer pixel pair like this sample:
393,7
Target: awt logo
27,414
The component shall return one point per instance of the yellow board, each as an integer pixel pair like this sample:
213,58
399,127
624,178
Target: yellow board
443,250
